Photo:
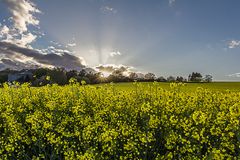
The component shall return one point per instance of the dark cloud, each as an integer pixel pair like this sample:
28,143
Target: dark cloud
12,55
2,66
15,65
102,68
110,68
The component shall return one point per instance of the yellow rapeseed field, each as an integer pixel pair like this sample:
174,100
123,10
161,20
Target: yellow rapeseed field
100,122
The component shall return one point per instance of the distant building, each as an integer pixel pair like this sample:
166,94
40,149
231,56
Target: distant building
20,77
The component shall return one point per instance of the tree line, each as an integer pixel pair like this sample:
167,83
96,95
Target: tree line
60,76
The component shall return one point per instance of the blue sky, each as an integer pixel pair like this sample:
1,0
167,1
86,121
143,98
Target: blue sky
165,37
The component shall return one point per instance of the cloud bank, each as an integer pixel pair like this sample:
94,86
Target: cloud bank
236,75
16,57
15,39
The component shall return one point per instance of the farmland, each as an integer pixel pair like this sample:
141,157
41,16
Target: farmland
190,87
120,121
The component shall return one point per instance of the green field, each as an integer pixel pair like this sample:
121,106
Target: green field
215,86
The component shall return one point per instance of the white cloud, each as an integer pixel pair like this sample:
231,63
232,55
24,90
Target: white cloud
113,54
24,40
27,39
71,45
233,44
108,9
52,49
22,13
56,43
171,2
235,75
21,17
4,30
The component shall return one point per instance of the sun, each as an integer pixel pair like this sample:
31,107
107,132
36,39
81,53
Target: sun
105,74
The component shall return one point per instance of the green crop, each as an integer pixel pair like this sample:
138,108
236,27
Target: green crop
100,122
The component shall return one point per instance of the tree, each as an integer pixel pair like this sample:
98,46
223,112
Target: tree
195,77
3,78
82,73
140,76
117,73
71,74
208,78
40,72
150,76
133,76
161,79
171,79
58,75
179,79
94,77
